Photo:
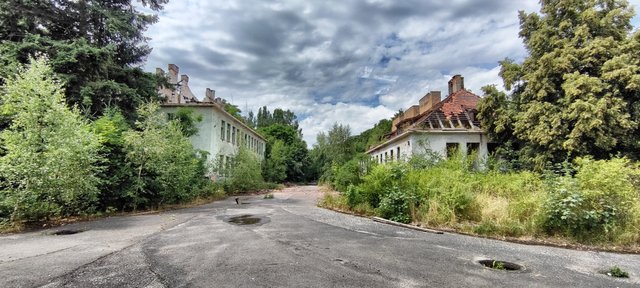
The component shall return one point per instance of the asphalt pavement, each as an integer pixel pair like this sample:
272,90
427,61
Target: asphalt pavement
285,242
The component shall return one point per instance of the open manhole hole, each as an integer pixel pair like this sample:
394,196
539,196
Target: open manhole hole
247,219
501,265
67,232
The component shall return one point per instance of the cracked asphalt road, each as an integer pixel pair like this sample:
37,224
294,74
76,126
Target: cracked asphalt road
295,244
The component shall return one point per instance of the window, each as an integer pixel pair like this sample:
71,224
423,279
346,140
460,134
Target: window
227,166
391,154
233,135
398,154
472,147
386,157
222,130
228,132
452,149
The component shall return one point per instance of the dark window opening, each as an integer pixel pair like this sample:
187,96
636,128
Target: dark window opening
452,149
473,147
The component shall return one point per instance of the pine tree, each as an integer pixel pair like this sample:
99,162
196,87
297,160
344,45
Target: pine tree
95,46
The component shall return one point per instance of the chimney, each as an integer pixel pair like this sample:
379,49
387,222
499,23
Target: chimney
456,84
209,96
173,73
432,98
159,72
184,80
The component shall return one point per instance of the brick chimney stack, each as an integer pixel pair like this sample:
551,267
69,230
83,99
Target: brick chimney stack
432,98
173,73
456,84
184,80
159,72
209,96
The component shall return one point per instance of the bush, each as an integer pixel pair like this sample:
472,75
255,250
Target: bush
396,205
49,166
167,168
600,203
245,173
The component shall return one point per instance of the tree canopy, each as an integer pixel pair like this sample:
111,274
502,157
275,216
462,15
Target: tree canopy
577,91
95,46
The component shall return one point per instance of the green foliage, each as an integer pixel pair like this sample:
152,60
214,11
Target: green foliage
333,149
599,203
117,175
615,271
245,173
350,173
576,94
396,204
167,169
285,148
187,120
49,168
95,46
274,167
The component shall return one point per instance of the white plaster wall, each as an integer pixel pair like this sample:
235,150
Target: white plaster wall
208,136
437,141
416,142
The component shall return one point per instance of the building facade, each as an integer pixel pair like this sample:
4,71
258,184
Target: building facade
219,133
439,126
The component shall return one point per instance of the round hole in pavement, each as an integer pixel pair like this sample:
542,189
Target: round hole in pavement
501,265
67,232
245,220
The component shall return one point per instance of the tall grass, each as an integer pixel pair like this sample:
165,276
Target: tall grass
597,203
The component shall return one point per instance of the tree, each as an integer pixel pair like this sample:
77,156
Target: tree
575,93
167,169
245,173
275,167
49,168
95,46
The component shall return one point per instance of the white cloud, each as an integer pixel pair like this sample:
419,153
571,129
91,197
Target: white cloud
353,62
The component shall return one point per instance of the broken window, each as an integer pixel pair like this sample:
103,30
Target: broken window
473,147
452,149
222,130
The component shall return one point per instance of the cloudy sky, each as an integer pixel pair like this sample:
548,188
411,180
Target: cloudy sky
351,62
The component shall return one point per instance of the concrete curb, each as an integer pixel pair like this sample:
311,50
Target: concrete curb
385,221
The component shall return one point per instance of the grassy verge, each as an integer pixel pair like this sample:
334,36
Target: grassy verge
593,205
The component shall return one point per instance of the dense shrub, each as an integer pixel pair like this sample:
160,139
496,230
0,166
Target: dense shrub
245,173
167,169
49,163
599,203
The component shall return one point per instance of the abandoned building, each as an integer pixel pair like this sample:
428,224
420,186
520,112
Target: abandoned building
441,126
219,133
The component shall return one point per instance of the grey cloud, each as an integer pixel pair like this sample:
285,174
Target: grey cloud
290,51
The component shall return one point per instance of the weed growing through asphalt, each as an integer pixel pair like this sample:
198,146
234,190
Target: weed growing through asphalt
615,271
498,265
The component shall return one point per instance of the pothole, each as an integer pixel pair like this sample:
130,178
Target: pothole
501,265
247,219
67,232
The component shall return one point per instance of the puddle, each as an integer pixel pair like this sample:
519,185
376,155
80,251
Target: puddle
247,219
67,232
501,265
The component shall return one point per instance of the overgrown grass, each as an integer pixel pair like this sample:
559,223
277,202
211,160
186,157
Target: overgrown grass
595,202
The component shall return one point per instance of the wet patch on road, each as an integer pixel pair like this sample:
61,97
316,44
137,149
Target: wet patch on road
247,219
67,232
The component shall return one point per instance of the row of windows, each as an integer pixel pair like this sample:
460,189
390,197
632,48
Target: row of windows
452,148
235,136
388,156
